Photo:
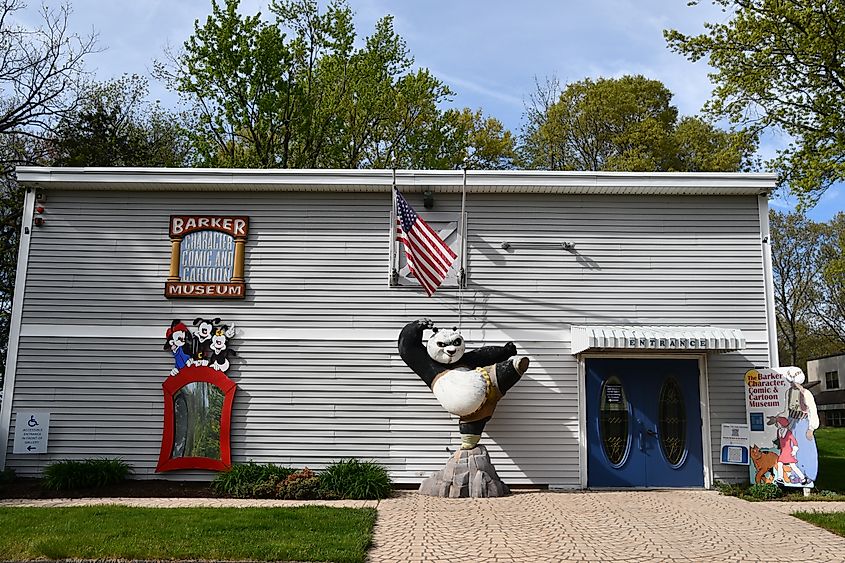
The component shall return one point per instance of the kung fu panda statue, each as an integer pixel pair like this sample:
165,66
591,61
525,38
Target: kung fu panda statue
467,384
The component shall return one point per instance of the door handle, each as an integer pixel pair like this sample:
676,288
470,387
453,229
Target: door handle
652,433
640,441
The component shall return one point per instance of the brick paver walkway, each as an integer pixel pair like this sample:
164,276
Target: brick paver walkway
592,526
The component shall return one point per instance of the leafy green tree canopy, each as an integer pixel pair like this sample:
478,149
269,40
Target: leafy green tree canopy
114,124
625,123
302,91
780,64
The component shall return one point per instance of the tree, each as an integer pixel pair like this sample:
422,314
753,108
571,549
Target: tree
624,124
779,64
795,269
40,70
297,92
114,125
807,261
828,306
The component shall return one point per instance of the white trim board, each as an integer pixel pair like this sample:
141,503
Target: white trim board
477,181
32,330
15,323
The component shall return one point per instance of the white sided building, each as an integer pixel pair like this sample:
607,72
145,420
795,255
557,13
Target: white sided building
641,299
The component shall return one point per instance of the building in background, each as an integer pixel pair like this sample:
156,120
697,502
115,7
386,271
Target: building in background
826,379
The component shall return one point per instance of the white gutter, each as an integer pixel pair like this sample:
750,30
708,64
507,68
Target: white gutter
768,280
15,324
478,181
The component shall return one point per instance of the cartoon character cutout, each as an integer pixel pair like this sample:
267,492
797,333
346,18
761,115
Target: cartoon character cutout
787,465
203,332
219,351
178,338
802,421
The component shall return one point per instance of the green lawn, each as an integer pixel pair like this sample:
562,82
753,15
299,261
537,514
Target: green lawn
310,533
833,521
831,444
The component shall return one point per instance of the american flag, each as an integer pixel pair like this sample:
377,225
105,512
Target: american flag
429,258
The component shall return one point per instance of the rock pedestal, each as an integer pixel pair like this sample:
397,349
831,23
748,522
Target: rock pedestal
468,473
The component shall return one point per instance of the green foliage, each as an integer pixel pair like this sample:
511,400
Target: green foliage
355,479
250,480
85,474
304,91
809,295
346,479
779,65
625,124
764,491
302,485
307,533
113,124
731,489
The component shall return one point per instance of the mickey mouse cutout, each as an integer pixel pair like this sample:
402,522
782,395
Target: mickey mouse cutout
209,344
467,384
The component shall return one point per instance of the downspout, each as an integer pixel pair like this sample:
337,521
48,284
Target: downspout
15,324
768,279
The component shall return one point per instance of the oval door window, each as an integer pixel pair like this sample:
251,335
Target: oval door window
613,421
672,422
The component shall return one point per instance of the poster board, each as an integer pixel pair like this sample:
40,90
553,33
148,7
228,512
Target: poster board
782,418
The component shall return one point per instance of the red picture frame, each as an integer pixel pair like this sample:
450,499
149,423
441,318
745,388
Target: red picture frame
196,374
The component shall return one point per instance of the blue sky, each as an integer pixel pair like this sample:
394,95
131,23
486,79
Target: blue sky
488,51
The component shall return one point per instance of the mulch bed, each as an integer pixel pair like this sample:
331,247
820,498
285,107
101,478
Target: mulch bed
158,488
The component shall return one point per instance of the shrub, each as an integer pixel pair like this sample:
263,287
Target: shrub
764,491
250,480
731,489
355,479
85,474
302,485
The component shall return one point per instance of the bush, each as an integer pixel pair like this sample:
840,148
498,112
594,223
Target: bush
731,489
250,480
354,479
85,474
764,491
302,485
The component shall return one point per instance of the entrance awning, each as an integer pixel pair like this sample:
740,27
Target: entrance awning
663,338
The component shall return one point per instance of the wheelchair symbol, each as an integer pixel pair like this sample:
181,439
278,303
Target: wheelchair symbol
32,422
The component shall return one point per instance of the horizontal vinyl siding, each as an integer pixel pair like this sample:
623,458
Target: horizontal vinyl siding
320,262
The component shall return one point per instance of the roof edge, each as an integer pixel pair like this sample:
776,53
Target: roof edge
530,181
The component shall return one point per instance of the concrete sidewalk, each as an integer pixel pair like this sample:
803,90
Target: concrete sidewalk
579,526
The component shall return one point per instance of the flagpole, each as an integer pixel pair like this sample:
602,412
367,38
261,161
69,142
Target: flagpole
462,272
392,280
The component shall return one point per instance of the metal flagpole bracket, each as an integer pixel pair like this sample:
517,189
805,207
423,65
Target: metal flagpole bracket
564,245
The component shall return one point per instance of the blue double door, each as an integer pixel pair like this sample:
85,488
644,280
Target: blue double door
643,423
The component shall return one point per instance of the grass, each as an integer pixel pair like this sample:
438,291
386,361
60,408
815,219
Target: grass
831,444
308,533
831,521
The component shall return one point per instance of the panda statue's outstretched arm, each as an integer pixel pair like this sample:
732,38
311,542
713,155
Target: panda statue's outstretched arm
413,352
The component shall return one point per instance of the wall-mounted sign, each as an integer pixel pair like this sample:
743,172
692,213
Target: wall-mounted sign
31,432
207,256
668,343
734,446
782,420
